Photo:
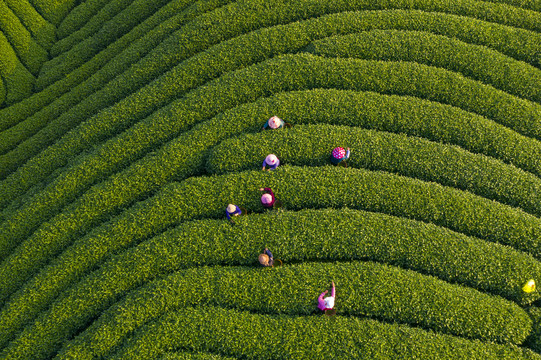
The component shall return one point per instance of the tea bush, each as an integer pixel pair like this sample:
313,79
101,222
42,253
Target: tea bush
474,61
91,77
289,72
363,289
311,145
232,332
84,49
30,53
306,235
41,30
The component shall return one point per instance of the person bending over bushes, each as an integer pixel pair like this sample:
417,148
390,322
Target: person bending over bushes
339,155
275,123
232,210
271,161
326,304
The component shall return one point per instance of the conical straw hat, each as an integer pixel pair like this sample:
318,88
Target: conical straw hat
263,259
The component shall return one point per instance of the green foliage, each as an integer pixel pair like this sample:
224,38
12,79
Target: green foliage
193,356
30,53
284,73
300,236
90,28
78,17
311,145
280,337
53,10
297,188
474,61
363,289
241,52
41,30
94,74
17,80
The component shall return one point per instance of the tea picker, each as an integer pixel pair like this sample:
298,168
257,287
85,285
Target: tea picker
271,161
327,304
268,200
275,123
266,259
232,210
339,155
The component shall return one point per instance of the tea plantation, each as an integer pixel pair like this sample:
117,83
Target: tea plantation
128,126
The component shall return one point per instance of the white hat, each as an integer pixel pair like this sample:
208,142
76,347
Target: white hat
329,302
231,208
274,122
271,159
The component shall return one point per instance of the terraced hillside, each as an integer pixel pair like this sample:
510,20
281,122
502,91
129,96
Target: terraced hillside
128,126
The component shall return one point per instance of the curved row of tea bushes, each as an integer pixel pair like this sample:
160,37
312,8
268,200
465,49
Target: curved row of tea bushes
17,80
534,340
54,11
283,73
282,337
363,289
91,26
297,188
167,87
85,49
523,43
2,91
41,30
193,356
293,236
516,43
71,92
448,165
477,62
530,4
30,53
134,32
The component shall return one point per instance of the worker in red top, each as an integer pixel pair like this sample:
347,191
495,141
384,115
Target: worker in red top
267,199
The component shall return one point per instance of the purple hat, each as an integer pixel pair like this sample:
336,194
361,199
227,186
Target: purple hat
266,199
271,159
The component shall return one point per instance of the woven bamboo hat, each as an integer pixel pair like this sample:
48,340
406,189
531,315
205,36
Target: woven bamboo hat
266,199
274,122
231,208
271,159
264,259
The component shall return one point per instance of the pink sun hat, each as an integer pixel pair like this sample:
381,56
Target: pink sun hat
266,199
271,159
274,122
338,152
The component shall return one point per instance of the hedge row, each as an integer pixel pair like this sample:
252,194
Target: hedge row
528,4
85,49
41,30
281,74
53,10
78,17
193,356
397,153
298,188
18,81
232,332
534,340
94,74
316,28
477,62
363,289
91,26
2,91
30,53
300,236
